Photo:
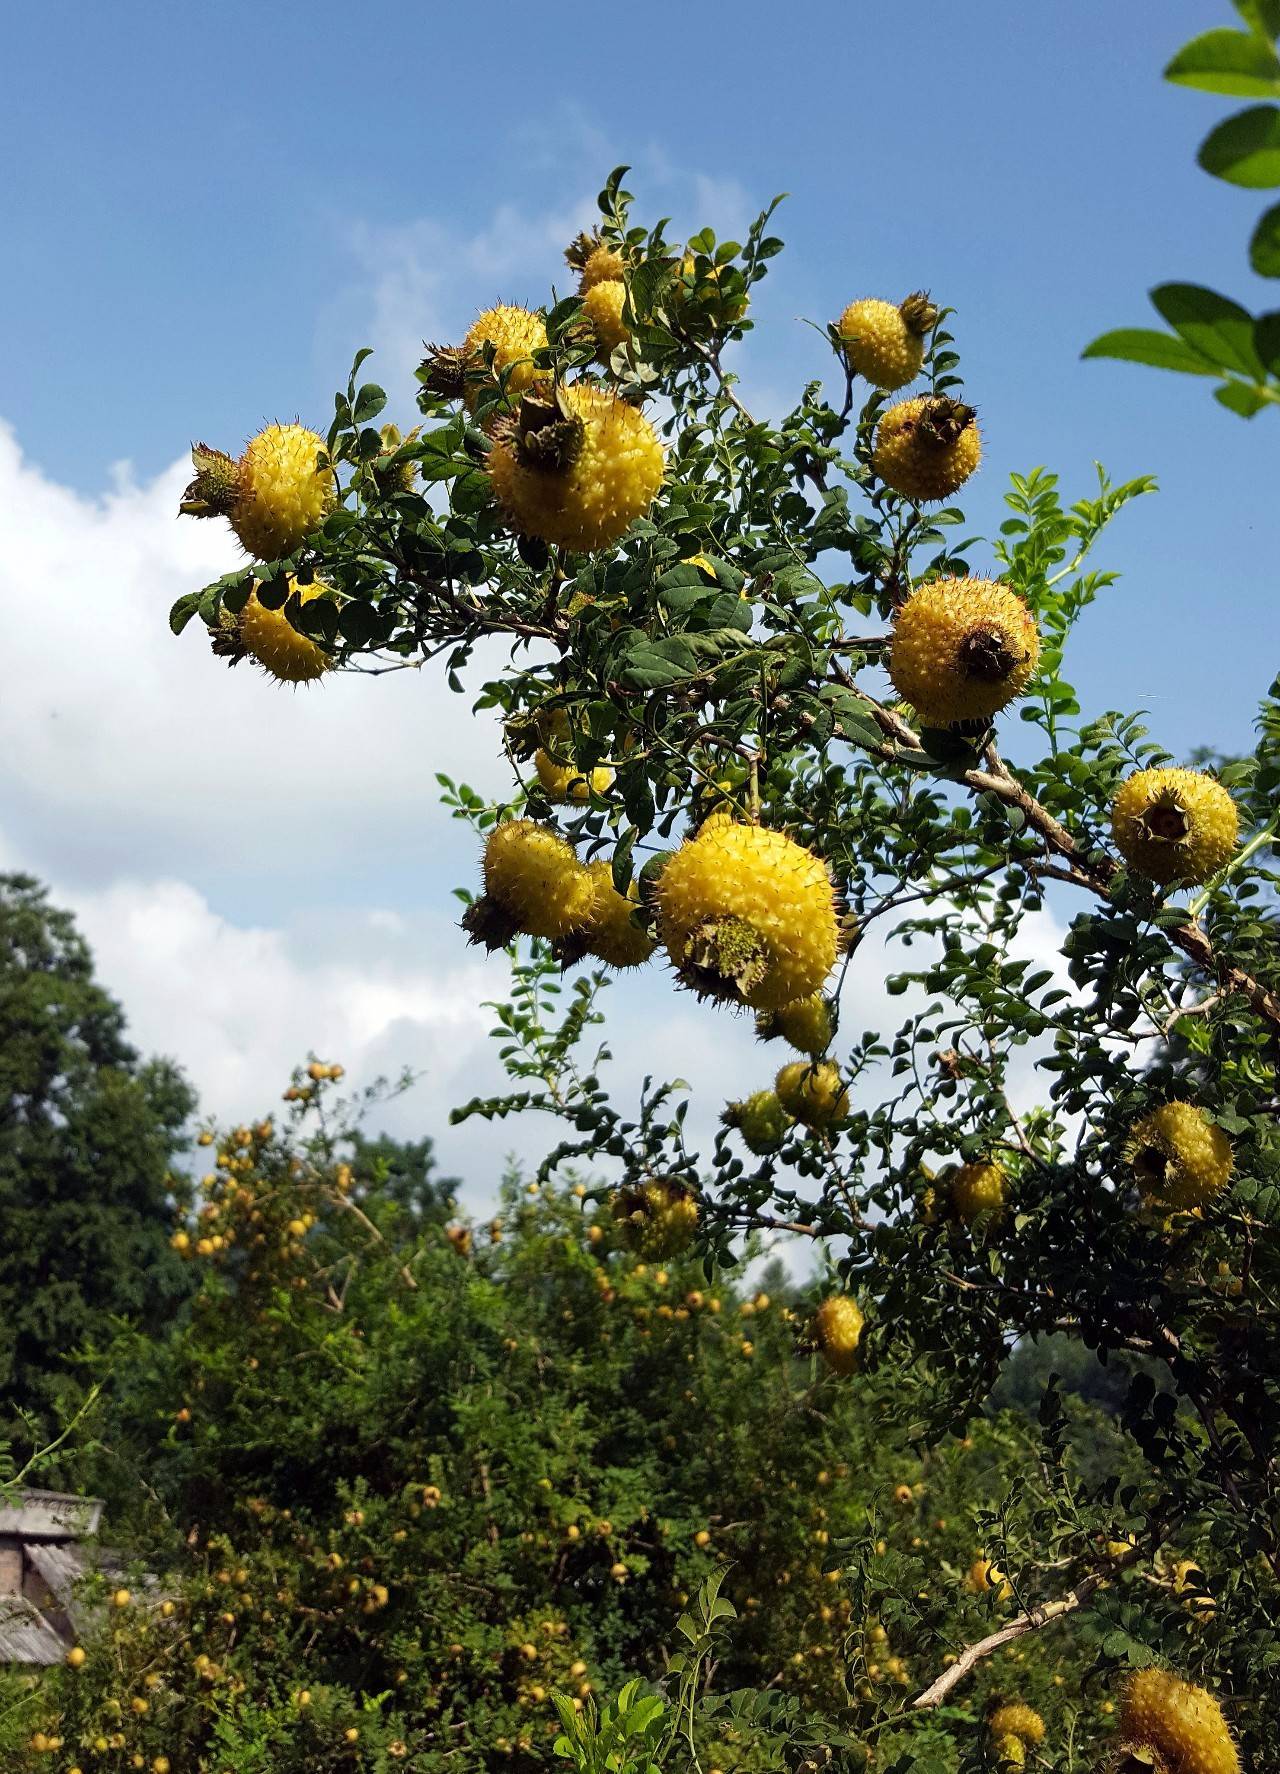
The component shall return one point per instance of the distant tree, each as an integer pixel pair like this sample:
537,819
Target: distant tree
87,1135
402,1175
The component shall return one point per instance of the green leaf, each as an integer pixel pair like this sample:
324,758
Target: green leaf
1144,345
1262,16
184,610
369,403
358,623
1239,397
1211,325
1237,63
1245,150
1264,247
1266,339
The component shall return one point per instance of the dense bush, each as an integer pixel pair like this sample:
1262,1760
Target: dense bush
401,1480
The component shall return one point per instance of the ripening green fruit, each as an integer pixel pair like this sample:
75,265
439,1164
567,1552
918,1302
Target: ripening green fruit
534,877
962,650
927,448
1179,1156
602,306
657,1218
761,1120
837,1330
976,1192
805,1025
1017,1720
813,1092
1183,1722
747,915
884,342
576,468
269,637
1174,825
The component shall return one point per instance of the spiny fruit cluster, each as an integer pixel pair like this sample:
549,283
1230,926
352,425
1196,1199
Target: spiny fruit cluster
278,492
962,650
885,343
1174,825
1173,1727
535,884
748,916
1179,1157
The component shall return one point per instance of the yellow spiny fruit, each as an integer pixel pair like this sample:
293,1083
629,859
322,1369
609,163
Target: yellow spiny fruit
656,1219
602,305
977,1192
282,492
1017,1720
534,876
611,933
761,1120
747,915
1010,1752
603,264
813,1092
984,1577
565,782
1183,1722
805,1025
837,1330
269,637
927,448
1179,1156
1174,825
884,342
962,649
579,471
515,334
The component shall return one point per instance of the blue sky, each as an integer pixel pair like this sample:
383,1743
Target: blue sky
216,206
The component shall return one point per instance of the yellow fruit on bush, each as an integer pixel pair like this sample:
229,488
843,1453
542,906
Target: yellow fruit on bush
282,493
984,1578
761,1120
565,782
1174,825
75,1657
1017,1720
1009,1752
976,1192
515,334
121,1598
1183,1722
927,448
576,467
602,307
962,650
601,264
747,915
611,933
805,1024
1179,1156
269,637
656,1219
884,342
813,1092
534,877
837,1330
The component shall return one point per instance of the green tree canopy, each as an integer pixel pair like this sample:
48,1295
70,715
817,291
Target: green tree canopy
87,1136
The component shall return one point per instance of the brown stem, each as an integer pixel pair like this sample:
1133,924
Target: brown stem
1031,1621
